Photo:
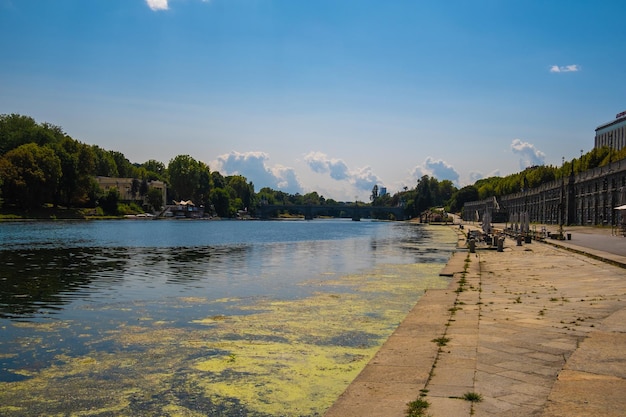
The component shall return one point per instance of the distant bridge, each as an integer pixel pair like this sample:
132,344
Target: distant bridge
310,211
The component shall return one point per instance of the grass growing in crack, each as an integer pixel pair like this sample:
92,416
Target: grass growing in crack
472,397
441,341
417,408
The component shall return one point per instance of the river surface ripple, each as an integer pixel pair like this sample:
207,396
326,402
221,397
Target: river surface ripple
224,318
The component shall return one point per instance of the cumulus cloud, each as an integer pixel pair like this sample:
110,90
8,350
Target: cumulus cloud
157,4
566,68
362,178
529,155
476,175
437,168
254,166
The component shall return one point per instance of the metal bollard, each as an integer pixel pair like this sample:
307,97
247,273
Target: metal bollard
519,240
501,244
472,245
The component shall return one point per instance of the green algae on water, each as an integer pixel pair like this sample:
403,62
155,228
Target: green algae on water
269,358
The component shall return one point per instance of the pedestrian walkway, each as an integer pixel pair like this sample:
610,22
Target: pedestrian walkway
536,330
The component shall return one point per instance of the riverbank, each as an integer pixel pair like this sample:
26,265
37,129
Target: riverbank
535,330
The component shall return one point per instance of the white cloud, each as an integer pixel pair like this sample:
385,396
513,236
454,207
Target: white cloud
362,179
529,155
476,175
566,68
162,4
157,4
437,168
253,166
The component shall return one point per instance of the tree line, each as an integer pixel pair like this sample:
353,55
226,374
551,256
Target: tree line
41,164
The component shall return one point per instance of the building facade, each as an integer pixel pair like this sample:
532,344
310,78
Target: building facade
613,133
124,186
587,198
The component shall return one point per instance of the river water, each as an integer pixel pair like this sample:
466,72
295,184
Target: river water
219,318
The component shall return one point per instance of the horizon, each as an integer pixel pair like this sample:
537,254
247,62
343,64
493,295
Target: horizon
333,97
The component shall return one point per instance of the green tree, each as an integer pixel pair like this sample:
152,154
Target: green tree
424,199
374,194
155,170
144,188
242,190
203,192
311,198
218,180
446,191
184,173
266,196
134,187
109,201
77,166
124,168
31,175
462,196
17,130
105,164
154,198
221,202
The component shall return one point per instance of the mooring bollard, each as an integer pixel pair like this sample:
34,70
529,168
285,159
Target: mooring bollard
501,244
472,245
519,240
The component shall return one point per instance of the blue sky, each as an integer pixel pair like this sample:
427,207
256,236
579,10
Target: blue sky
331,96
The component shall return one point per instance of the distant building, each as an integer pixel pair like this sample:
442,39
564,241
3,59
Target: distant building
383,191
613,133
124,186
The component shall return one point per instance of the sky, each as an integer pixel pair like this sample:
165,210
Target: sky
333,96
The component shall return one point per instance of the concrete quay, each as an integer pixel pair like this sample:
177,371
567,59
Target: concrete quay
536,330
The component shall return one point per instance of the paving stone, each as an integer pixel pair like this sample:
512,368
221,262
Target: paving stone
538,331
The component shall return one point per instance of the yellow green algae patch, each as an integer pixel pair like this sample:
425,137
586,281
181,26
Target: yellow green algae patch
297,357
272,358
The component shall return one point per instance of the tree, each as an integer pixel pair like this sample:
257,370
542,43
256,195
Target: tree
241,189
311,198
31,175
218,180
17,130
77,166
203,192
155,170
184,172
424,199
124,168
154,197
143,188
462,196
109,201
374,195
221,202
105,164
134,187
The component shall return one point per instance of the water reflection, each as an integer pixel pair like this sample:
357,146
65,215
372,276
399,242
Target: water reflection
42,281
140,317
46,279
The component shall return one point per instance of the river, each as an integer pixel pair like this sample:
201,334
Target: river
218,318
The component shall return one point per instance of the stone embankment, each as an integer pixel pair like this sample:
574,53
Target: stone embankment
536,330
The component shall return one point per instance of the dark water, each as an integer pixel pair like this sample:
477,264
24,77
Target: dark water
48,269
63,285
